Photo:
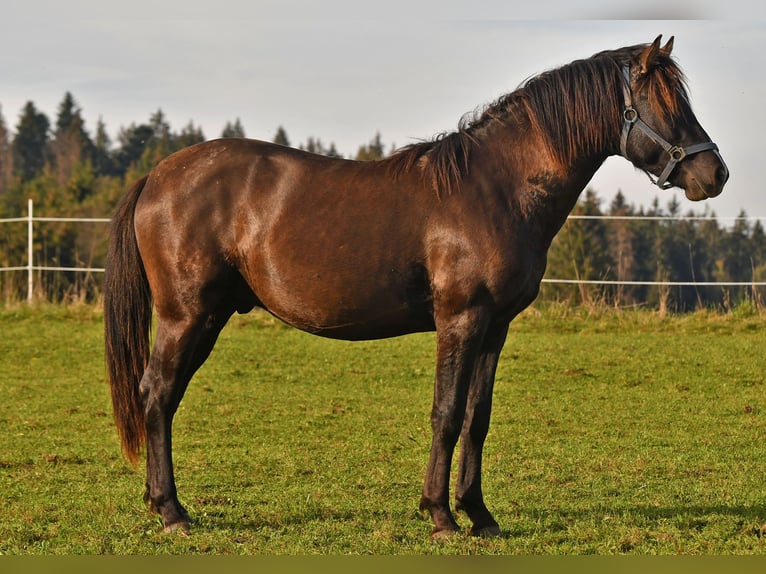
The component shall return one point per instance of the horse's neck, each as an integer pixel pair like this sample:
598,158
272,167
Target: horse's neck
543,191
547,209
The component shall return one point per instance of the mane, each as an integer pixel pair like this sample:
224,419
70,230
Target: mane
576,109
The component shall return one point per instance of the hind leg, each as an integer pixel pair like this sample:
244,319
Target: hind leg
181,346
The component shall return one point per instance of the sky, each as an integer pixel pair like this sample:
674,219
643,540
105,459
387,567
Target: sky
344,70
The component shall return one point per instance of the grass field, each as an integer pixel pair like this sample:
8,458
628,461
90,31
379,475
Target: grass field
614,432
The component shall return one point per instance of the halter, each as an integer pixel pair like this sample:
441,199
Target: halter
676,152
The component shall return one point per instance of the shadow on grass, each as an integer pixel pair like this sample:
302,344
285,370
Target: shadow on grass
524,523
685,517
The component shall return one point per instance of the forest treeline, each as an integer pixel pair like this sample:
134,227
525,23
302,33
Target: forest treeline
69,171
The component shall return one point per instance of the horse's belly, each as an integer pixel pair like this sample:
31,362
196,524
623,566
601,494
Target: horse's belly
349,303
342,319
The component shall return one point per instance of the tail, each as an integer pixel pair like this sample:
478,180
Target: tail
127,324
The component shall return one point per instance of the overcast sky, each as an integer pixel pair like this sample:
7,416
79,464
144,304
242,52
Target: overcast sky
342,70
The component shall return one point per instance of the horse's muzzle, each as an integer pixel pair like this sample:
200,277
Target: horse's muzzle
707,176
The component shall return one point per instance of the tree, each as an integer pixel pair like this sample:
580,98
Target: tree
758,251
30,143
620,236
189,136
6,155
737,250
132,142
372,151
69,117
71,144
316,146
579,250
233,130
103,163
281,137
332,151
678,257
758,244
161,139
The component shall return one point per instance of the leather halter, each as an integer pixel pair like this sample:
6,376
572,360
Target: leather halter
676,152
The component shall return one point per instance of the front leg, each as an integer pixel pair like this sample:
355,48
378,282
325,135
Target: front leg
458,343
468,491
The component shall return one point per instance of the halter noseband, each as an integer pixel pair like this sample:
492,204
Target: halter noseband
676,152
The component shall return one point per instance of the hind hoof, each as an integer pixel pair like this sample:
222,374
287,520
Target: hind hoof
444,534
492,531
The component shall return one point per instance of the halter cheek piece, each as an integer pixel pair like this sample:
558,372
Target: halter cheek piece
676,152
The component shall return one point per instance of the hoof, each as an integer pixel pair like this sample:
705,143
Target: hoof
492,531
444,534
182,527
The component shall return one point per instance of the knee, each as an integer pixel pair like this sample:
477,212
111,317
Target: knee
479,420
156,397
446,424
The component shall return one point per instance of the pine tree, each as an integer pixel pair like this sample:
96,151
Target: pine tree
68,114
281,137
758,244
737,253
332,151
620,236
372,151
71,144
30,143
190,135
315,145
6,155
312,145
161,140
580,251
758,254
233,130
132,142
103,163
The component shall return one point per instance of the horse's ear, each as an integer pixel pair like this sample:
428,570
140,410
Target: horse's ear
648,56
668,47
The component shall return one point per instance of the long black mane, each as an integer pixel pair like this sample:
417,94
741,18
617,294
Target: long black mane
576,109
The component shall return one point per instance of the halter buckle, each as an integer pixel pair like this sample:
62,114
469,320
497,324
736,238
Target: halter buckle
677,153
630,115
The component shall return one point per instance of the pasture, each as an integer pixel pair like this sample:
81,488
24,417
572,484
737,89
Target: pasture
612,432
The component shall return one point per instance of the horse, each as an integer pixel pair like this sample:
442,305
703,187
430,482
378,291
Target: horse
449,234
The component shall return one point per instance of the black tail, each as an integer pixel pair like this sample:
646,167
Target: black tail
127,324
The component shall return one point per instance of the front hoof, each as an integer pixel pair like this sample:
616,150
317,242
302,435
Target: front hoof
492,531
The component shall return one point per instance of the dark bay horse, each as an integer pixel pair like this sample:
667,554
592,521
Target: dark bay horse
448,235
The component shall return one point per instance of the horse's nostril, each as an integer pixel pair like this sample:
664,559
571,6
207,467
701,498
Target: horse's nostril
721,175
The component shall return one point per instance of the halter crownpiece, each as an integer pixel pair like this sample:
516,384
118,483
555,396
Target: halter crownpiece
676,152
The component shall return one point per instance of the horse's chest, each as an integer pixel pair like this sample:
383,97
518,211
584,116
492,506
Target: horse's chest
516,282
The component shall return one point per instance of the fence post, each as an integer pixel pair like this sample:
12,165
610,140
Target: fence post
30,253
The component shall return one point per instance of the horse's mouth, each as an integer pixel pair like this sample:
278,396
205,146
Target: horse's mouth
699,192
695,193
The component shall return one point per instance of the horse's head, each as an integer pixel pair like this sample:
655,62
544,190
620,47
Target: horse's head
660,133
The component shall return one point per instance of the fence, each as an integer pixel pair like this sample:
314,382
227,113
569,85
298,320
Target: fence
30,267
657,283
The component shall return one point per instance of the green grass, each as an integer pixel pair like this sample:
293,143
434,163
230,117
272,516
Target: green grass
612,432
